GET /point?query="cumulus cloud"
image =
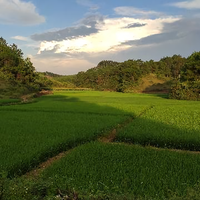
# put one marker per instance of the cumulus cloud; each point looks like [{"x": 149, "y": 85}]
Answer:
[
  {"x": 88, "y": 3},
  {"x": 67, "y": 33},
  {"x": 111, "y": 33},
  {"x": 106, "y": 38},
  {"x": 135, "y": 12},
  {"x": 19, "y": 12},
  {"x": 184, "y": 46},
  {"x": 162, "y": 45},
  {"x": 134, "y": 25},
  {"x": 61, "y": 66},
  {"x": 192, "y": 4},
  {"x": 85, "y": 27},
  {"x": 171, "y": 31},
  {"x": 18, "y": 37}
]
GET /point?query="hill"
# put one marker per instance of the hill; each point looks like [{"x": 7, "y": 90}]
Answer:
[
  {"x": 132, "y": 75},
  {"x": 12, "y": 91},
  {"x": 17, "y": 74},
  {"x": 152, "y": 84}
]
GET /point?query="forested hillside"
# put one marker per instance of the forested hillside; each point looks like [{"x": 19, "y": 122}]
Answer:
[
  {"x": 59, "y": 81},
  {"x": 126, "y": 76},
  {"x": 17, "y": 74},
  {"x": 176, "y": 75},
  {"x": 188, "y": 85}
]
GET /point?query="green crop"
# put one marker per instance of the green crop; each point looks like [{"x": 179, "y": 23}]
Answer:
[
  {"x": 31, "y": 133},
  {"x": 174, "y": 126},
  {"x": 8, "y": 101},
  {"x": 116, "y": 169}
]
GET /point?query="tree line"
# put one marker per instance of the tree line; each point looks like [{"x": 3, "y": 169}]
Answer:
[
  {"x": 18, "y": 70},
  {"x": 107, "y": 75},
  {"x": 122, "y": 76},
  {"x": 115, "y": 76}
]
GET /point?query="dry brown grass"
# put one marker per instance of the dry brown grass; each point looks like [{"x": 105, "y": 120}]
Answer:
[{"x": 152, "y": 84}]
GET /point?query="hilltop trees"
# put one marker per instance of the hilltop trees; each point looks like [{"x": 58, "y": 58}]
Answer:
[
  {"x": 111, "y": 76},
  {"x": 17, "y": 70},
  {"x": 108, "y": 75},
  {"x": 120, "y": 77},
  {"x": 191, "y": 69},
  {"x": 188, "y": 85},
  {"x": 14, "y": 66}
]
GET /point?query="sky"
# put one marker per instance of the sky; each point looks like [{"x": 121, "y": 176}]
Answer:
[{"x": 69, "y": 36}]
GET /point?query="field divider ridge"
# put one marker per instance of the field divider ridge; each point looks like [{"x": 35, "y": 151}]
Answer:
[
  {"x": 110, "y": 136},
  {"x": 66, "y": 112},
  {"x": 42, "y": 166},
  {"x": 107, "y": 137}
]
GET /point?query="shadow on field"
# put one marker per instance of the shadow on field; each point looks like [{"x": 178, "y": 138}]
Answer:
[
  {"x": 33, "y": 133},
  {"x": 42, "y": 130},
  {"x": 159, "y": 94},
  {"x": 140, "y": 130},
  {"x": 61, "y": 103},
  {"x": 147, "y": 132}
]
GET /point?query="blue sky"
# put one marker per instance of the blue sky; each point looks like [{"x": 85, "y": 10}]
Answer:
[{"x": 68, "y": 36}]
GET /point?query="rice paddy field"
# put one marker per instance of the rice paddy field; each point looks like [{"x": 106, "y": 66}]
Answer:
[
  {"x": 119, "y": 146},
  {"x": 8, "y": 101}
]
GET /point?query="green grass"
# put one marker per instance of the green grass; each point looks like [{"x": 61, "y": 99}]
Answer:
[
  {"x": 90, "y": 102},
  {"x": 28, "y": 138},
  {"x": 174, "y": 126},
  {"x": 9, "y": 101},
  {"x": 31, "y": 133},
  {"x": 98, "y": 169}
]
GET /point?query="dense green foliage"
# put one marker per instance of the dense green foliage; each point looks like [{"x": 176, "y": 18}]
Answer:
[
  {"x": 18, "y": 71},
  {"x": 188, "y": 85},
  {"x": 14, "y": 66},
  {"x": 57, "y": 81},
  {"x": 120, "y": 77},
  {"x": 126, "y": 76}
]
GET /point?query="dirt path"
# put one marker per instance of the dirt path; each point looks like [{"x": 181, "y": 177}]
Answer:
[
  {"x": 110, "y": 137},
  {"x": 36, "y": 172}
]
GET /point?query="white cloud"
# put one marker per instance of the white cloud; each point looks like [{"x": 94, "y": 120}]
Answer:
[
  {"x": 131, "y": 11},
  {"x": 18, "y": 37},
  {"x": 110, "y": 34},
  {"x": 88, "y": 3},
  {"x": 192, "y": 4},
  {"x": 19, "y": 12},
  {"x": 61, "y": 66}
]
